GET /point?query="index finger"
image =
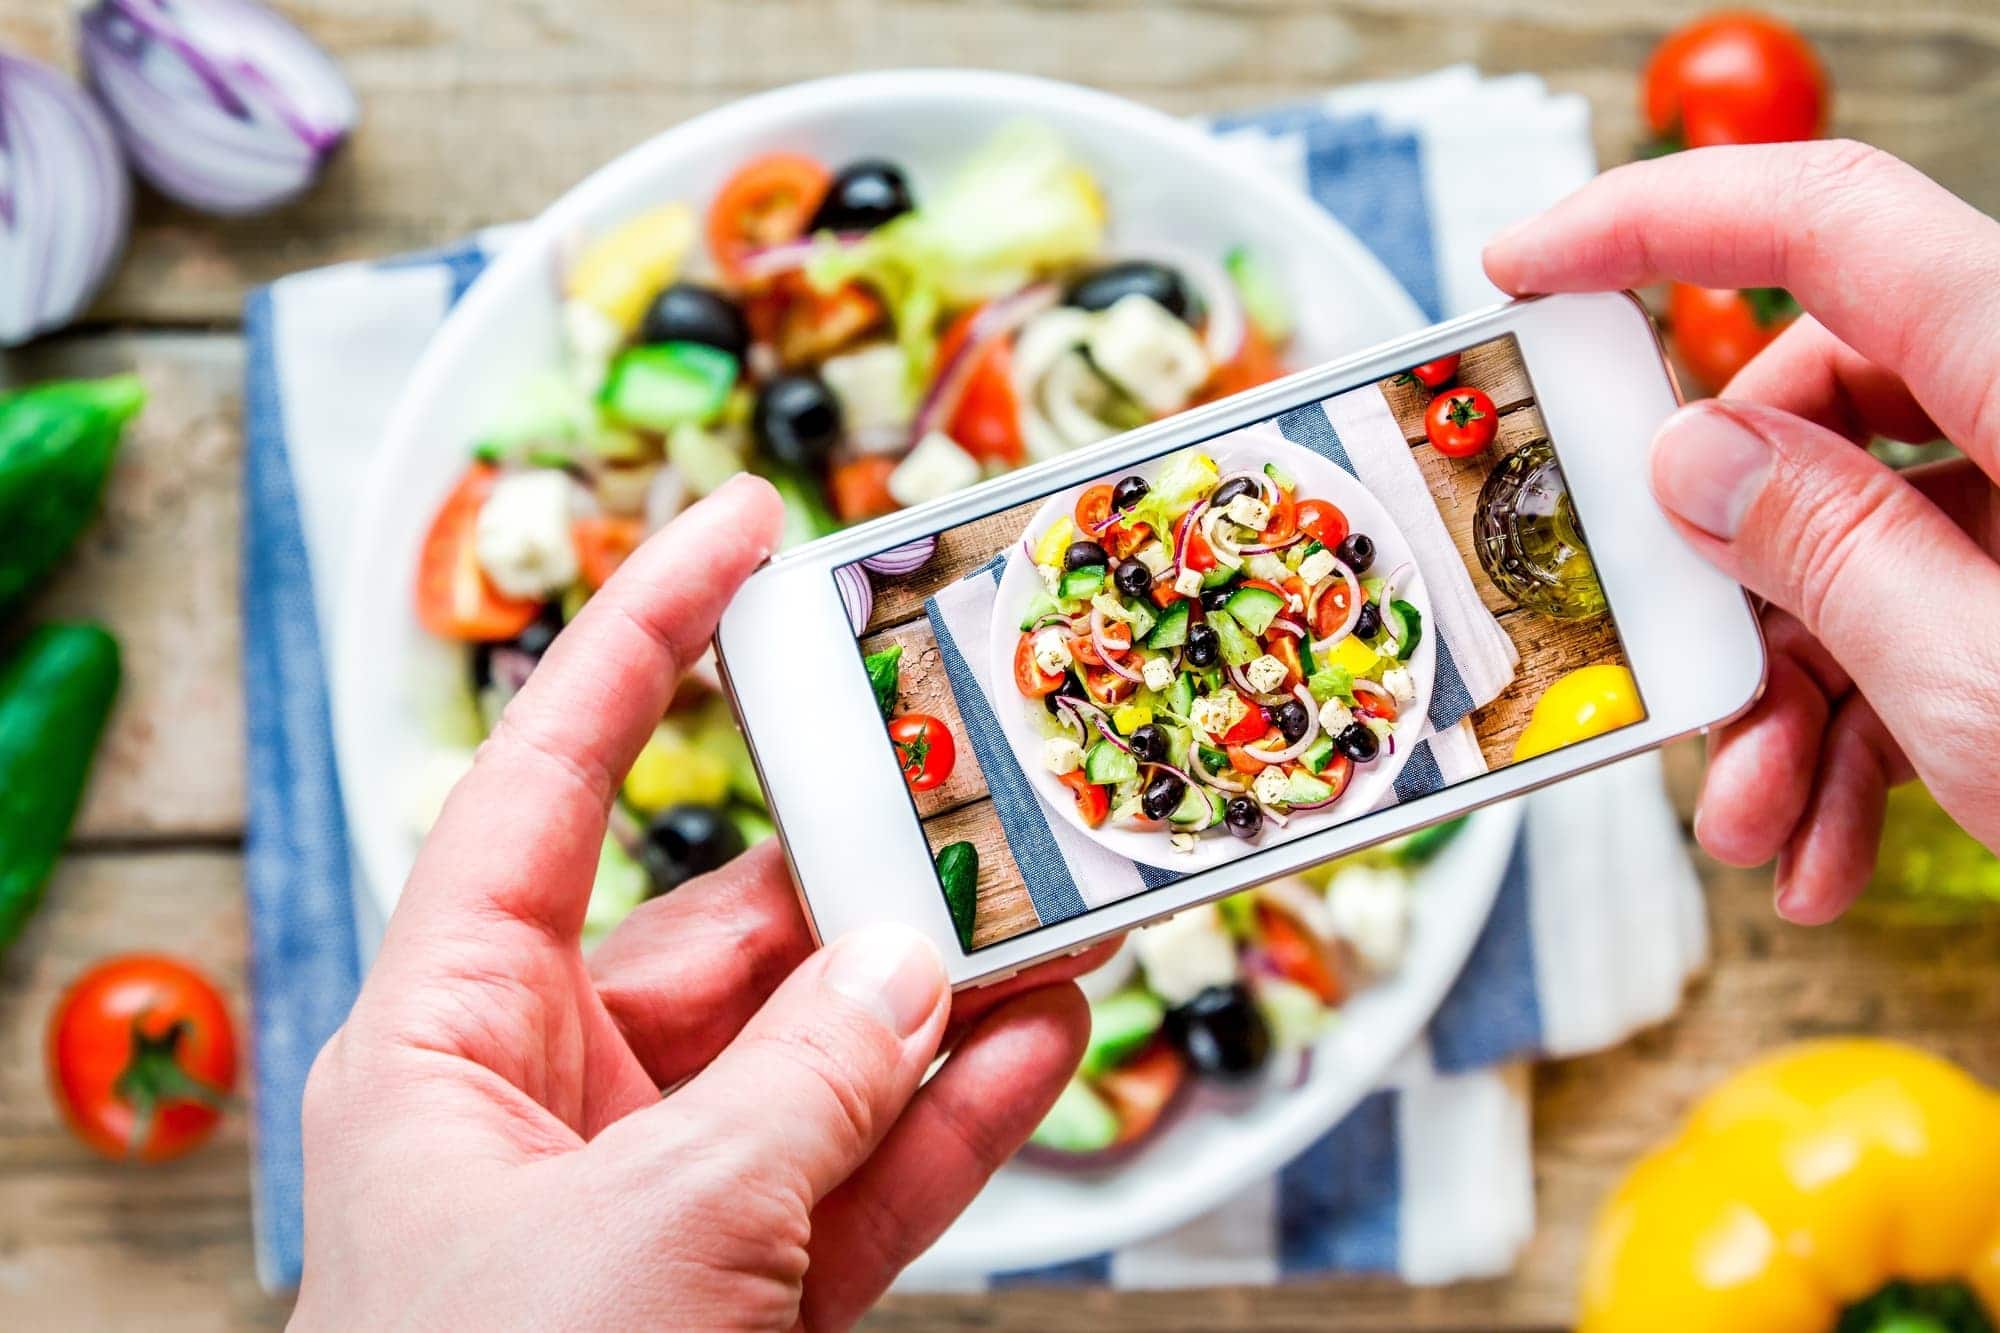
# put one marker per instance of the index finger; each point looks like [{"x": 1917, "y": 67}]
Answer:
[{"x": 1898, "y": 267}]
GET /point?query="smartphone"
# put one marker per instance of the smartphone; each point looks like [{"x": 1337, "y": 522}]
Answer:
[{"x": 1267, "y": 632}]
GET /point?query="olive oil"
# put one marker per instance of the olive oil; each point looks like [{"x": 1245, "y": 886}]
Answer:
[{"x": 1529, "y": 544}]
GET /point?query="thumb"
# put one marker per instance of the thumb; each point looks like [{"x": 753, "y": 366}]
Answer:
[{"x": 1875, "y": 571}]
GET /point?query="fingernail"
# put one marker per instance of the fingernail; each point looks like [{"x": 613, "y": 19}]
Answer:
[
  {"x": 891, "y": 971},
  {"x": 1708, "y": 467}
]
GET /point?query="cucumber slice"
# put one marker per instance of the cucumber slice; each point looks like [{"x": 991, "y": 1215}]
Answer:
[
  {"x": 1084, "y": 583},
  {"x": 1108, "y": 764},
  {"x": 1041, "y": 605},
  {"x": 1171, "y": 632},
  {"x": 1079, "y": 1122},
  {"x": 1214, "y": 760},
  {"x": 1238, "y": 648},
  {"x": 1305, "y": 789},
  {"x": 1194, "y": 810},
  {"x": 1141, "y": 618},
  {"x": 662, "y": 386},
  {"x": 1318, "y": 755},
  {"x": 1254, "y": 608},
  {"x": 1120, "y": 1026},
  {"x": 1180, "y": 694},
  {"x": 1216, "y": 577},
  {"x": 1407, "y": 624},
  {"x": 1416, "y": 848},
  {"x": 1283, "y": 482}
]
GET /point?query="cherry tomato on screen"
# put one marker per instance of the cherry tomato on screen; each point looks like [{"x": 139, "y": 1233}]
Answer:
[
  {"x": 1091, "y": 801},
  {"x": 1330, "y": 612},
  {"x": 925, "y": 750},
  {"x": 1323, "y": 522},
  {"x": 1461, "y": 423},
  {"x": 1431, "y": 374},
  {"x": 1029, "y": 678},
  {"x": 1734, "y": 78}
]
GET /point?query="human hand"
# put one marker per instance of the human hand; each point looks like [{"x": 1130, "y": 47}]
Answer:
[
  {"x": 1884, "y": 592},
  {"x": 486, "y": 1141}
]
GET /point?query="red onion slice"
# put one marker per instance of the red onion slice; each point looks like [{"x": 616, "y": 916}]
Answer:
[
  {"x": 856, "y": 594},
  {"x": 1384, "y": 597},
  {"x": 791, "y": 256},
  {"x": 1284, "y": 625},
  {"x": 997, "y": 320},
  {"x": 1354, "y": 600},
  {"x": 1299, "y": 746},
  {"x": 1268, "y": 548},
  {"x": 905, "y": 559},
  {"x": 1232, "y": 784},
  {"x": 1266, "y": 698},
  {"x": 1098, "y": 642},
  {"x": 1372, "y": 690},
  {"x": 1227, "y": 553},
  {"x": 1188, "y": 520}
]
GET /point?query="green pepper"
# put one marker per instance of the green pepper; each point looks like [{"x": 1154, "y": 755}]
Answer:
[
  {"x": 56, "y": 445},
  {"x": 958, "y": 872},
  {"x": 55, "y": 694}
]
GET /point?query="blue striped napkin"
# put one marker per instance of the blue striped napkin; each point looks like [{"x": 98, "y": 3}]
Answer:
[{"x": 1430, "y": 1176}]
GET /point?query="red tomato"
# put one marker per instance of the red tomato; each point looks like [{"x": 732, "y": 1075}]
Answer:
[
  {"x": 454, "y": 597},
  {"x": 1107, "y": 686},
  {"x": 859, "y": 488},
  {"x": 1284, "y": 520},
  {"x": 1117, "y": 637},
  {"x": 1256, "y": 362},
  {"x": 769, "y": 201},
  {"x": 1298, "y": 956},
  {"x": 1244, "y": 762},
  {"x": 987, "y": 421},
  {"x": 1285, "y": 648},
  {"x": 602, "y": 543},
  {"x": 1323, "y": 522},
  {"x": 1141, "y": 1089},
  {"x": 1093, "y": 508},
  {"x": 1371, "y": 704},
  {"x": 1461, "y": 423},
  {"x": 1028, "y": 677},
  {"x": 1330, "y": 612},
  {"x": 1732, "y": 78},
  {"x": 1126, "y": 538},
  {"x": 1164, "y": 592},
  {"x": 1718, "y": 330},
  {"x": 813, "y": 325},
  {"x": 1199, "y": 556},
  {"x": 1091, "y": 801},
  {"x": 1431, "y": 374},
  {"x": 925, "y": 750},
  {"x": 1337, "y": 774},
  {"x": 1252, "y": 725},
  {"x": 142, "y": 1057}
]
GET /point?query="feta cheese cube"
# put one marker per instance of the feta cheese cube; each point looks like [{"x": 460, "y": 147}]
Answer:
[
  {"x": 1335, "y": 716},
  {"x": 1185, "y": 955},
  {"x": 1140, "y": 346},
  {"x": 1267, "y": 567},
  {"x": 1051, "y": 651},
  {"x": 1159, "y": 673},
  {"x": 1153, "y": 555},
  {"x": 1188, "y": 583},
  {"x": 1250, "y": 511},
  {"x": 1271, "y": 786},
  {"x": 1265, "y": 674},
  {"x": 1400, "y": 684},
  {"x": 873, "y": 386},
  {"x": 522, "y": 536},
  {"x": 1217, "y": 713},
  {"x": 1061, "y": 754},
  {"x": 1316, "y": 567},
  {"x": 1051, "y": 576},
  {"x": 936, "y": 467},
  {"x": 1371, "y": 911}
]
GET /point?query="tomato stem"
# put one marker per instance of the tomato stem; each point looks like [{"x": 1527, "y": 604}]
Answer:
[
  {"x": 155, "y": 1077},
  {"x": 1917, "y": 1307}
]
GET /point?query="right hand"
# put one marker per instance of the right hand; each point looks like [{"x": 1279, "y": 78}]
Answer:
[{"x": 1883, "y": 589}]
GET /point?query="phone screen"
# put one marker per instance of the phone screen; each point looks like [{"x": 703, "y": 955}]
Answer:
[{"x": 1239, "y": 643}]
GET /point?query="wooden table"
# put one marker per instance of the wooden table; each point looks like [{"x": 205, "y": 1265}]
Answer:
[{"x": 454, "y": 91}]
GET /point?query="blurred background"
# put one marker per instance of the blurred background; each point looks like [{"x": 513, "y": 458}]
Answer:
[{"x": 476, "y": 112}]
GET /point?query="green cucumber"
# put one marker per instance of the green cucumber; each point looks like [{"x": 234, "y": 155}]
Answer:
[
  {"x": 1216, "y": 578},
  {"x": 1084, "y": 582},
  {"x": 1194, "y": 811},
  {"x": 1108, "y": 764},
  {"x": 669, "y": 384},
  {"x": 1171, "y": 631},
  {"x": 1283, "y": 482},
  {"x": 1305, "y": 789},
  {"x": 1041, "y": 605},
  {"x": 1238, "y": 648},
  {"x": 1120, "y": 1027},
  {"x": 1079, "y": 1122},
  {"x": 1254, "y": 608},
  {"x": 1141, "y": 618},
  {"x": 1414, "y": 849},
  {"x": 1318, "y": 755},
  {"x": 1180, "y": 695},
  {"x": 958, "y": 874},
  {"x": 1214, "y": 760},
  {"x": 1407, "y": 624},
  {"x": 56, "y": 446}
]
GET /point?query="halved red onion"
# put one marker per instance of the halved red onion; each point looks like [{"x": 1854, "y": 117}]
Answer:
[
  {"x": 997, "y": 320},
  {"x": 1354, "y": 600},
  {"x": 1098, "y": 642},
  {"x": 905, "y": 559},
  {"x": 856, "y": 594},
  {"x": 1299, "y": 746}
]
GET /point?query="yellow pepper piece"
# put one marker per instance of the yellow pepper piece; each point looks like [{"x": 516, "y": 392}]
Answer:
[
  {"x": 1586, "y": 702},
  {"x": 672, "y": 770},
  {"x": 1049, "y": 550},
  {"x": 622, "y": 270},
  {"x": 1803, "y": 1184},
  {"x": 1356, "y": 657},
  {"x": 1130, "y": 717}
]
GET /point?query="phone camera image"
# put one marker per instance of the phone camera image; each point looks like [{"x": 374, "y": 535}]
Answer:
[{"x": 1237, "y": 644}]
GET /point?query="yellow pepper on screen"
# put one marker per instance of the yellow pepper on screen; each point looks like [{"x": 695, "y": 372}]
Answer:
[
  {"x": 1586, "y": 702},
  {"x": 1842, "y": 1177}
]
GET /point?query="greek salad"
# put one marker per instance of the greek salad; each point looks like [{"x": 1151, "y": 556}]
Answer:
[
  {"x": 1211, "y": 651},
  {"x": 1233, "y": 991},
  {"x": 865, "y": 347}
]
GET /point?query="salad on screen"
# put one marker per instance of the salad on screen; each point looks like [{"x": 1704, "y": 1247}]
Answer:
[
  {"x": 1211, "y": 651},
  {"x": 863, "y": 343}
]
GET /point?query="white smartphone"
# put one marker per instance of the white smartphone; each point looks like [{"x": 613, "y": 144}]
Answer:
[{"x": 1135, "y": 677}]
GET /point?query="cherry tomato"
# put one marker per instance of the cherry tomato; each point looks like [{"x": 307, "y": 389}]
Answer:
[
  {"x": 1734, "y": 78},
  {"x": 1284, "y": 519},
  {"x": 1323, "y": 522},
  {"x": 142, "y": 1057},
  {"x": 767, "y": 202},
  {"x": 1371, "y": 704},
  {"x": 1107, "y": 686},
  {"x": 602, "y": 543},
  {"x": 925, "y": 750},
  {"x": 454, "y": 597},
  {"x": 987, "y": 421},
  {"x": 1244, "y": 762},
  {"x": 1330, "y": 613},
  {"x": 1431, "y": 374},
  {"x": 1141, "y": 1089},
  {"x": 1028, "y": 677},
  {"x": 1117, "y": 637},
  {"x": 1165, "y": 594},
  {"x": 1199, "y": 556},
  {"x": 1285, "y": 648},
  {"x": 1718, "y": 330},
  {"x": 1091, "y": 801},
  {"x": 1337, "y": 774},
  {"x": 808, "y": 325},
  {"x": 1256, "y": 362},
  {"x": 1093, "y": 508},
  {"x": 1461, "y": 423},
  {"x": 1249, "y": 727},
  {"x": 859, "y": 488},
  {"x": 1126, "y": 538},
  {"x": 1298, "y": 956}
]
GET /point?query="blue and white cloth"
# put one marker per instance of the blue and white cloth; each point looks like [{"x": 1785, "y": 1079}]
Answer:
[{"x": 1597, "y": 926}]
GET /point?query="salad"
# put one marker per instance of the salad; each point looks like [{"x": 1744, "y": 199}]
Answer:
[
  {"x": 865, "y": 347},
  {"x": 1211, "y": 652},
  {"x": 1228, "y": 992}
]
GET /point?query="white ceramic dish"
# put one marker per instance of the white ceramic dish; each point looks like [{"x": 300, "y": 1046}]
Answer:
[{"x": 1245, "y": 450}]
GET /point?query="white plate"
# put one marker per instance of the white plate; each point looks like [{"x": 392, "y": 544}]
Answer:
[{"x": 1244, "y": 450}]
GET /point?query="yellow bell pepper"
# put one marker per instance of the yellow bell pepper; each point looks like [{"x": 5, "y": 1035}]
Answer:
[
  {"x": 1130, "y": 717},
  {"x": 1822, "y": 1176},
  {"x": 1586, "y": 702},
  {"x": 673, "y": 770},
  {"x": 1049, "y": 550},
  {"x": 1352, "y": 655},
  {"x": 621, "y": 271}
]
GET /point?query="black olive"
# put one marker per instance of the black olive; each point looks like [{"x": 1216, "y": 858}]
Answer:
[
  {"x": 1292, "y": 719},
  {"x": 1369, "y": 623},
  {"x": 1133, "y": 579},
  {"x": 1357, "y": 742},
  {"x": 1214, "y": 599},
  {"x": 1071, "y": 688},
  {"x": 683, "y": 841},
  {"x": 1220, "y": 1032},
  {"x": 1104, "y": 288},
  {"x": 1242, "y": 817},
  {"x": 1204, "y": 648},
  {"x": 1149, "y": 743},
  {"x": 506, "y": 665},
  {"x": 1357, "y": 552},
  {"x": 1129, "y": 491},
  {"x": 1082, "y": 554},
  {"x": 688, "y": 312},
  {"x": 1230, "y": 489},
  {"x": 797, "y": 419},
  {"x": 863, "y": 196},
  {"x": 1162, "y": 797}
]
